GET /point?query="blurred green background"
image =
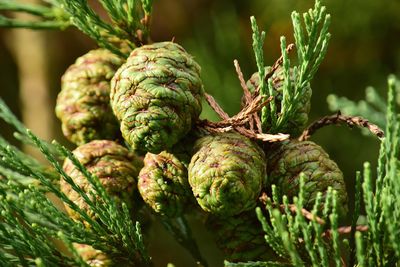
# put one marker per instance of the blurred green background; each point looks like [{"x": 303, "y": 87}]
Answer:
[{"x": 364, "y": 49}]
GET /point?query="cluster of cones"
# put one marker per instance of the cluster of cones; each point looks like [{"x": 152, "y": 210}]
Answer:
[{"x": 136, "y": 124}]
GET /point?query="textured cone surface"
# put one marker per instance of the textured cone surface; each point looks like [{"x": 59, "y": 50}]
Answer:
[
  {"x": 226, "y": 173},
  {"x": 93, "y": 257},
  {"x": 113, "y": 164},
  {"x": 297, "y": 123},
  {"x": 240, "y": 237},
  {"x": 163, "y": 184},
  {"x": 83, "y": 105},
  {"x": 156, "y": 95},
  {"x": 286, "y": 161}
]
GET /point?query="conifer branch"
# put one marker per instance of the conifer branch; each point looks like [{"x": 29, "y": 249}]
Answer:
[
  {"x": 290, "y": 234},
  {"x": 129, "y": 28},
  {"x": 52, "y": 16},
  {"x": 307, "y": 214},
  {"x": 124, "y": 239},
  {"x": 356, "y": 214},
  {"x": 258, "y": 42},
  {"x": 305, "y": 238},
  {"x": 337, "y": 119},
  {"x": 311, "y": 41}
]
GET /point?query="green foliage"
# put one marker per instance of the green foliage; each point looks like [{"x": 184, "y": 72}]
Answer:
[
  {"x": 53, "y": 16},
  {"x": 317, "y": 242},
  {"x": 30, "y": 221},
  {"x": 381, "y": 243},
  {"x": 114, "y": 233},
  {"x": 294, "y": 237},
  {"x": 379, "y": 247},
  {"x": 9, "y": 168},
  {"x": 311, "y": 40},
  {"x": 125, "y": 15},
  {"x": 24, "y": 240},
  {"x": 129, "y": 27}
]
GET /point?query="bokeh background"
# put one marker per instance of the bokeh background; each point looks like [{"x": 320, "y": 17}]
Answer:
[{"x": 364, "y": 49}]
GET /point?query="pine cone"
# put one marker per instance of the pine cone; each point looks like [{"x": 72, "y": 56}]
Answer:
[
  {"x": 163, "y": 184},
  {"x": 83, "y": 105},
  {"x": 287, "y": 160},
  {"x": 93, "y": 257},
  {"x": 156, "y": 95},
  {"x": 226, "y": 173},
  {"x": 113, "y": 164},
  {"x": 241, "y": 237},
  {"x": 297, "y": 123}
]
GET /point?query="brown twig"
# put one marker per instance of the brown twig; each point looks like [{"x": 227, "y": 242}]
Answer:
[
  {"x": 265, "y": 199},
  {"x": 263, "y": 137},
  {"x": 344, "y": 264},
  {"x": 238, "y": 121},
  {"x": 308, "y": 215},
  {"x": 254, "y": 119},
  {"x": 216, "y": 107},
  {"x": 345, "y": 230},
  {"x": 246, "y": 91},
  {"x": 248, "y": 117},
  {"x": 341, "y": 119}
]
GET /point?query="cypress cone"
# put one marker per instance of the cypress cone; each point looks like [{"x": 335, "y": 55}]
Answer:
[
  {"x": 163, "y": 184},
  {"x": 296, "y": 123},
  {"x": 226, "y": 173},
  {"x": 83, "y": 105},
  {"x": 287, "y": 160},
  {"x": 240, "y": 237},
  {"x": 156, "y": 96},
  {"x": 116, "y": 168}
]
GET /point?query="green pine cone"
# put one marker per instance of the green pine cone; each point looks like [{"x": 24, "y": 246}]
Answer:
[
  {"x": 156, "y": 95},
  {"x": 241, "y": 237},
  {"x": 297, "y": 123},
  {"x": 226, "y": 173},
  {"x": 83, "y": 105},
  {"x": 163, "y": 184},
  {"x": 287, "y": 160},
  {"x": 93, "y": 257},
  {"x": 112, "y": 163}
]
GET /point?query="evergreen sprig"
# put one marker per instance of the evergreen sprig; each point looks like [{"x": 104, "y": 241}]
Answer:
[
  {"x": 311, "y": 39},
  {"x": 114, "y": 233},
  {"x": 258, "y": 42},
  {"x": 381, "y": 195},
  {"x": 306, "y": 243},
  {"x": 52, "y": 15},
  {"x": 294, "y": 237},
  {"x": 129, "y": 27},
  {"x": 317, "y": 243},
  {"x": 8, "y": 168},
  {"x": 22, "y": 242},
  {"x": 29, "y": 220}
]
